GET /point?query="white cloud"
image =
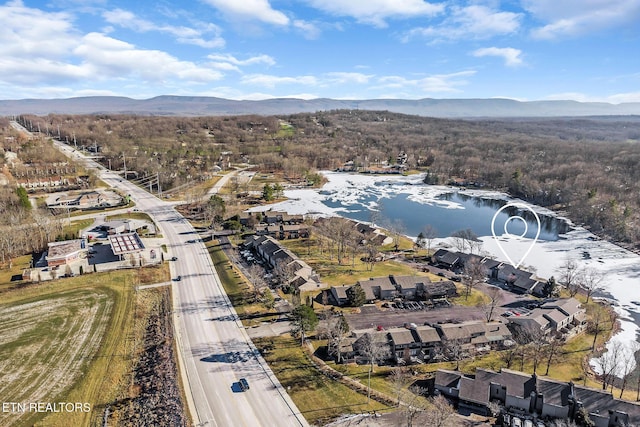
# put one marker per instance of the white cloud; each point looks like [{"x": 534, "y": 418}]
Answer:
[
  {"x": 259, "y": 59},
  {"x": 228, "y": 62},
  {"x": 33, "y": 33},
  {"x": 581, "y": 97},
  {"x": 624, "y": 97},
  {"x": 577, "y": 17},
  {"x": 272, "y": 81},
  {"x": 324, "y": 80},
  {"x": 117, "y": 59},
  {"x": 510, "y": 55},
  {"x": 259, "y": 10},
  {"x": 349, "y": 78},
  {"x": 475, "y": 21},
  {"x": 308, "y": 29},
  {"x": 257, "y": 96},
  {"x": 376, "y": 12},
  {"x": 437, "y": 83},
  {"x": 186, "y": 35}
]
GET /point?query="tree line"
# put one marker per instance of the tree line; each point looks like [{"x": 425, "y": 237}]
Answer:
[{"x": 586, "y": 167}]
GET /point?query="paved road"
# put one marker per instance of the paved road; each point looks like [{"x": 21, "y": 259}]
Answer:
[{"x": 214, "y": 348}]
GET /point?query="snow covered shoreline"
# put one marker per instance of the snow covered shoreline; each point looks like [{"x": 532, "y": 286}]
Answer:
[{"x": 620, "y": 267}]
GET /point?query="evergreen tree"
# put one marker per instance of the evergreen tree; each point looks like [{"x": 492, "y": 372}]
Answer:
[
  {"x": 356, "y": 296},
  {"x": 303, "y": 319},
  {"x": 267, "y": 192},
  {"x": 24, "y": 198}
]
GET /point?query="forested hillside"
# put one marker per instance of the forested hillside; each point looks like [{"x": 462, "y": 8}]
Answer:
[{"x": 586, "y": 167}]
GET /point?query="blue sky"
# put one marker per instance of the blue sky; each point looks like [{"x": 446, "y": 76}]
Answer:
[{"x": 585, "y": 50}]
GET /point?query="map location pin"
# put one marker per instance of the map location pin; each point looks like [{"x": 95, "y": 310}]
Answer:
[{"x": 520, "y": 206}]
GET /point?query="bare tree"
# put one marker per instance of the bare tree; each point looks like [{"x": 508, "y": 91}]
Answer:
[
  {"x": 452, "y": 351},
  {"x": 569, "y": 273},
  {"x": 371, "y": 253},
  {"x": 374, "y": 347},
  {"x": 465, "y": 240},
  {"x": 609, "y": 363},
  {"x": 508, "y": 356},
  {"x": 255, "y": 275},
  {"x": 553, "y": 346},
  {"x": 440, "y": 413},
  {"x": 400, "y": 377},
  {"x": 429, "y": 233},
  {"x": 488, "y": 308},
  {"x": 595, "y": 327},
  {"x": 341, "y": 231},
  {"x": 591, "y": 280},
  {"x": 284, "y": 272},
  {"x": 415, "y": 408},
  {"x": 397, "y": 229},
  {"x": 335, "y": 329},
  {"x": 475, "y": 273},
  {"x": 530, "y": 340},
  {"x": 627, "y": 365}
]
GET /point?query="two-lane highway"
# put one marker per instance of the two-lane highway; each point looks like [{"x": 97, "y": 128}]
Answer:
[{"x": 214, "y": 348}]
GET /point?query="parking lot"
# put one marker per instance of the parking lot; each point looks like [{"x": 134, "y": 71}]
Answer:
[{"x": 371, "y": 316}]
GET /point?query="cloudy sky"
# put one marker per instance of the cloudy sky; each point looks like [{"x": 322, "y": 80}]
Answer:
[{"x": 586, "y": 50}]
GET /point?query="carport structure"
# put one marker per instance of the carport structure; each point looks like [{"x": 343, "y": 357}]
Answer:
[{"x": 124, "y": 244}]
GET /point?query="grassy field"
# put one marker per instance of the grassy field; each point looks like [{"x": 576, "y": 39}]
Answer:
[
  {"x": 6, "y": 273},
  {"x": 190, "y": 191},
  {"x": 475, "y": 297},
  {"x": 70, "y": 340},
  {"x": 319, "y": 398},
  {"x": 348, "y": 272},
  {"x": 71, "y": 231}
]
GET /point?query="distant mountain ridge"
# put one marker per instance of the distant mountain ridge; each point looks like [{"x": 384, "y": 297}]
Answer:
[{"x": 210, "y": 106}]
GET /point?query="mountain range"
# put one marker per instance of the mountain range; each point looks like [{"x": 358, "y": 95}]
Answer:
[{"x": 167, "y": 105}]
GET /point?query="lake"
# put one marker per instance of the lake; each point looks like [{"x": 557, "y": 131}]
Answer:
[{"x": 446, "y": 213}]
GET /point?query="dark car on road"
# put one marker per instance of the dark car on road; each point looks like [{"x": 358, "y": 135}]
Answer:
[{"x": 244, "y": 384}]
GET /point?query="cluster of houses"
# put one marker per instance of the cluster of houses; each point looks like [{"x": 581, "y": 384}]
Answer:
[
  {"x": 40, "y": 183},
  {"x": 390, "y": 287},
  {"x": 273, "y": 256},
  {"x": 279, "y": 225},
  {"x": 565, "y": 317},
  {"x": 518, "y": 280},
  {"x": 424, "y": 343},
  {"x": 533, "y": 398},
  {"x": 433, "y": 342}
]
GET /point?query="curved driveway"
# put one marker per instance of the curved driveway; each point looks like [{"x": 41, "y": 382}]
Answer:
[{"x": 214, "y": 348}]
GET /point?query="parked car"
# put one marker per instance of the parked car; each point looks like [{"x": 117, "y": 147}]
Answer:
[
  {"x": 174, "y": 258},
  {"x": 178, "y": 278},
  {"x": 244, "y": 384}
]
